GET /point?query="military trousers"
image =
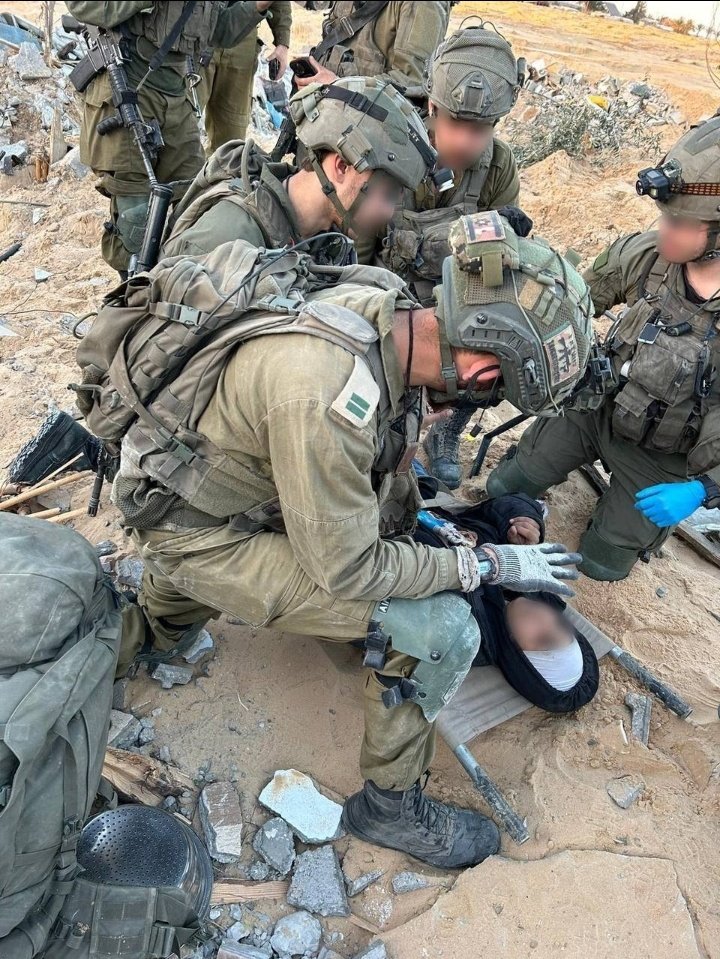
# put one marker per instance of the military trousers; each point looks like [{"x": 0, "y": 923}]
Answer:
[
  {"x": 115, "y": 159},
  {"x": 196, "y": 575},
  {"x": 552, "y": 447},
  {"x": 226, "y": 91}
]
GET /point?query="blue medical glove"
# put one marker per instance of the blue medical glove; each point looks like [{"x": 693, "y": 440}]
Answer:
[{"x": 670, "y": 503}]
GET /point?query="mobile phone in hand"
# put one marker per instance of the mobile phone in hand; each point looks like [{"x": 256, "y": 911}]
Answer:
[
  {"x": 274, "y": 68},
  {"x": 302, "y": 67}
]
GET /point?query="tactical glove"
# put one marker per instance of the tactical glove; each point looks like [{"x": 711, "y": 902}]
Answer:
[{"x": 530, "y": 569}]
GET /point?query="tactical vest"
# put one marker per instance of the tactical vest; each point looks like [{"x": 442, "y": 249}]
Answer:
[
  {"x": 348, "y": 34},
  {"x": 417, "y": 242},
  {"x": 241, "y": 174},
  {"x": 665, "y": 352},
  {"x": 196, "y": 34},
  {"x": 193, "y": 483}
]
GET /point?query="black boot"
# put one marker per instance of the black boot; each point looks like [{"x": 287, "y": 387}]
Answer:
[
  {"x": 59, "y": 439},
  {"x": 441, "y": 835},
  {"x": 442, "y": 445}
]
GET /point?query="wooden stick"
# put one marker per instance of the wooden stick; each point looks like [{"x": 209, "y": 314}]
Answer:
[
  {"x": 45, "y": 513},
  {"x": 364, "y": 924},
  {"x": 143, "y": 779},
  {"x": 241, "y": 891},
  {"x": 25, "y": 203},
  {"x": 72, "y": 514},
  {"x": 46, "y": 488},
  {"x": 60, "y": 469}
]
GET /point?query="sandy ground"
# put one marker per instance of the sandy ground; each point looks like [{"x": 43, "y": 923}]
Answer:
[{"x": 269, "y": 701}]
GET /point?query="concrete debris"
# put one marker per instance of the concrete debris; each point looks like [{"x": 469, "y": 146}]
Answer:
[
  {"x": 41, "y": 276},
  {"x": 238, "y": 931},
  {"x": 72, "y": 165},
  {"x": 170, "y": 803},
  {"x": 221, "y": 818},
  {"x": 318, "y": 885},
  {"x": 236, "y": 950},
  {"x": 375, "y": 950},
  {"x": 326, "y": 953},
  {"x": 625, "y": 791},
  {"x": 164, "y": 755},
  {"x": 130, "y": 571},
  {"x": 661, "y": 592},
  {"x": 28, "y": 63},
  {"x": 356, "y": 886},
  {"x": 295, "y": 797},
  {"x": 640, "y": 707},
  {"x": 275, "y": 843},
  {"x": 124, "y": 730},
  {"x": 169, "y": 676},
  {"x": 216, "y": 913},
  {"x": 409, "y": 882},
  {"x": 259, "y": 871},
  {"x": 203, "y": 644},
  {"x": 298, "y": 934},
  {"x": 106, "y": 548},
  {"x": 120, "y": 691},
  {"x": 147, "y": 732},
  {"x": 15, "y": 153}
]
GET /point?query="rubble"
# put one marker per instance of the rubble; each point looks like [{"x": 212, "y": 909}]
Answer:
[
  {"x": 124, "y": 730},
  {"x": 169, "y": 676},
  {"x": 317, "y": 884},
  {"x": 563, "y": 111},
  {"x": 375, "y": 950},
  {"x": 28, "y": 63},
  {"x": 203, "y": 644},
  {"x": 295, "y": 798},
  {"x": 230, "y": 949},
  {"x": 355, "y": 886},
  {"x": 625, "y": 791},
  {"x": 105, "y": 548},
  {"x": 71, "y": 163},
  {"x": 409, "y": 882},
  {"x": 147, "y": 732},
  {"x": 119, "y": 698},
  {"x": 298, "y": 934},
  {"x": 164, "y": 755},
  {"x": 259, "y": 871},
  {"x": 274, "y": 842},
  {"x": 130, "y": 571},
  {"x": 238, "y": 930},
  {"x": 326, "y": 953},
  {"x": 221, "y": 819},
  {"x": 16, "y": 153},
  {"x": 41, "y": 276}
]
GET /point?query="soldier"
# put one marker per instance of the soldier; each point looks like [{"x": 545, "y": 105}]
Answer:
[
  {"x": 363, "y": 143},
  {"x": 471, "y": 82},
  {"x": 371, "y": 37},
  {"x": 157, "y": 40},
  {"x": 227, "y": 81},
  {"x": 658, "y": 430},
  {"x": 292, "y": 506}
]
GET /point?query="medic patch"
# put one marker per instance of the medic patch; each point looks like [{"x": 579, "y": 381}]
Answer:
[
  {"x": 359, "y": 399},
  {"x": 562, "y": 352}
]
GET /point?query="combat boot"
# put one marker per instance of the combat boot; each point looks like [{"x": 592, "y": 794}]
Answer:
[
  {"x": 442, "y": 445},
  {"x": 436, "y": 833},
  {"x": 58, "y": 440}
]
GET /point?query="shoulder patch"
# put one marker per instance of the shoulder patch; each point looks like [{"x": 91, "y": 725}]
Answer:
[
  {"x": 600, "y": 261},
  {"x": 360, "y": 396}
]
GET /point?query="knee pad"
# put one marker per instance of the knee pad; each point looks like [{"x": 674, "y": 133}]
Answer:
[
  {"x": 443, "y": 635},
  {"x": 605, "y": 561},
  {"x": 131, "y": 219},
  {"x": 508, "y": 477}
]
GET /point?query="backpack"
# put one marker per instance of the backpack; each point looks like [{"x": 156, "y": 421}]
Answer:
[{"x": 59, "y": 646}]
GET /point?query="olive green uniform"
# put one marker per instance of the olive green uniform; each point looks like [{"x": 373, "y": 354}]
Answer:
[
  {"x": 312, "y": 442},
  {"x": 163, "y": 97},
  {"x": 397, "y": 42},
  {"x": 416, "y": 243},
  {"x": 652, "y": 430},
  {"x": 227, "y": 81}
]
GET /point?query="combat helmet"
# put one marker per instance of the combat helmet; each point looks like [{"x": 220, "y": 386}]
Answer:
[
  {"x": 686, "y": 182},
  {"x": 474, "y": 74},
  {"x": 370, "y": 124},
  {"x": 520, "y": 300}
]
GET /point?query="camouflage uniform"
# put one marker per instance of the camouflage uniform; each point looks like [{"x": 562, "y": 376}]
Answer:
[
  {"x": 227, "y": 81},
  {"x": 397, "y": 41},
  {"x": 163, "y": 96}
]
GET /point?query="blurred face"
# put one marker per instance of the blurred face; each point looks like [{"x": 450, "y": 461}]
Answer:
[
  {"x": 459, "y": 143},
  {"x": 380, "y": 194},
  {"x": 535, "y": 626},
  {"x": 680, "y": 238}
]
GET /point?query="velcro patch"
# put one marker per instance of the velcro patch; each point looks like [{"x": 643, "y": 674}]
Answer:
[
  {"x": 562, "y": 352},
  {"x": 601, "y": 260},
  {"x": 359, "y": 399}
]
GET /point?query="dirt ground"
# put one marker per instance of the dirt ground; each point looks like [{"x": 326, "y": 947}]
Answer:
[{"x": 270, "y": 701}]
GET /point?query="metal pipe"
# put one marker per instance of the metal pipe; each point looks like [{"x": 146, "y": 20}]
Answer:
[{"x": 511, "y": 822}]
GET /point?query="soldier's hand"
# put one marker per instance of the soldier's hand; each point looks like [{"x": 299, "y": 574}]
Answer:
[
  {"x": 282, "y": 55},
  {"x": 323, "y": 75},
  {"x": 523, "y": 531},
  {"x": 529, "y": 569}
]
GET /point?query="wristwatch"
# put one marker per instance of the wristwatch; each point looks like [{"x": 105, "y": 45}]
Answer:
[{"x": 712, "y": 493}]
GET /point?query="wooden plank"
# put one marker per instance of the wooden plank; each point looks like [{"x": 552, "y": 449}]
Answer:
[
  {"x": 699, "y": 542},
  {"x": 364, "y": 924},
  {"x": 238, "y": 890},
  {"x": 143, "y": 779}
]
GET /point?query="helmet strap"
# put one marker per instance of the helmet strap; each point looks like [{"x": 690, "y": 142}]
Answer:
[
  {"x": 447, "y": 363},
  {"x": 347, "y": 216},
  {"x": 711, "y": 247}
]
